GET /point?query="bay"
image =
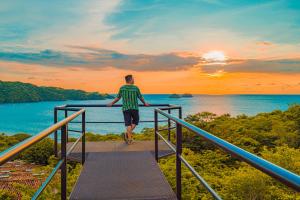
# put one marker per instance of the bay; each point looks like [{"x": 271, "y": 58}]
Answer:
[{"x": 31, "y": 118}]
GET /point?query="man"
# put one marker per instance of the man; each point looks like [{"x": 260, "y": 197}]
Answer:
[{"x": 130, "y": 95}]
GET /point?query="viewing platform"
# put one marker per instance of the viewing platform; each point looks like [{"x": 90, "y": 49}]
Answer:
[{"x": 115, "y": 170}]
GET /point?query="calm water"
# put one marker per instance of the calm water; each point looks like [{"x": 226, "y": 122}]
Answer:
[{"x": 34, "y": 117}]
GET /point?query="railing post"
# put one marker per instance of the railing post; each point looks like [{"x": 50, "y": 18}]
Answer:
[
  {"x": 169, "y": 126},
  {"x": 64, "y": 165},
  {"x": 83, "y": 138},
  {"x": 66, "y": 115},
  {"x": 180, "y": 112},
  {"x": 55, "y": 133},
  {"x": 178, "y": 160},
  {"x": 155, "y": 134}
]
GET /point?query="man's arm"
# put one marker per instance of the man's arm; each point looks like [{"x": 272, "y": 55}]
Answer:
[
  {"x": 144, "y": 102},
  {"x": 140, "y": 96},
  {"x": 116, "y": 99},
  {"x": 113, "y": 102}
]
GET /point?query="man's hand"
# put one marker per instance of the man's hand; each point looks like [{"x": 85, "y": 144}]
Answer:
[
  {"x": 146, "y": 104},
  {"x": 113, "y": 102},
  {"x": 110, "y": 104}
]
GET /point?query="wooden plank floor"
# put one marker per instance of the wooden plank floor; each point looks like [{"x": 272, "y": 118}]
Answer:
[{"x": 115, "y": 170}]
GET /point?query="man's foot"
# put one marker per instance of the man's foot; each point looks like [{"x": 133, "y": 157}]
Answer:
[{"x": 130, "y": 141}]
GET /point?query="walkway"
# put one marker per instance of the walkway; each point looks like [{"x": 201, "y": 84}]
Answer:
[{"x": 114, "y": 170}]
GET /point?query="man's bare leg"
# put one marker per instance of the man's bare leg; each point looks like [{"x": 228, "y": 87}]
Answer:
[
  {"x": 132, "y": 127},
  {"x": 129, "y": 131}
]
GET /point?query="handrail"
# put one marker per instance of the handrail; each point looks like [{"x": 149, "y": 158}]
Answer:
[
  {"x": 76, "y": 107},
  {"x": 62, "y": 163},
  {"x": 16, "y": 149},
  {"x": 288, "y": 178},
  {"x": 115, "y": 105},
  {"x": 116, "y": 122}
]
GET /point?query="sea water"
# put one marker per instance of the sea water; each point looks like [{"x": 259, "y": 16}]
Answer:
[{"x": 32, "y": 118}]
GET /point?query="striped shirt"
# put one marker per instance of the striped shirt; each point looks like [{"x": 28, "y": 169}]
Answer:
[{"x": 130, "y": 95}]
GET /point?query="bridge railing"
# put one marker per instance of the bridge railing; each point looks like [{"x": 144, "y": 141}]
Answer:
[
  {"x": 62, "y": 125},
  {"x": 286, "y": 177},
  {"x": 73, "y": 107},
  {"x": 77, "y": 110}
]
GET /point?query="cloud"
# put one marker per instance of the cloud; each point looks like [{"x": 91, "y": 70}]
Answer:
[
  {"x": 97, "y": 59},
  {"x": 264, "y": 43},
  {"x": 94, "y": 58},
  {"x": 139, "y": 19},
  {"x": 252, "y": 65}
]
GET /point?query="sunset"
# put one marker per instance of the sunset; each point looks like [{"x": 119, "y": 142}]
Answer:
[
  {"x": 193, "y": 41},
  {"x": 150, "y": 99}
]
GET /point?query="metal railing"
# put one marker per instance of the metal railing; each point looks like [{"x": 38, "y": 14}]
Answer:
[
  {"x": 73, "y": 107},
  {"x": 11, "y": 152},
  {"x": 286, "y": 177},
  {"x": 62, "y": 125}
]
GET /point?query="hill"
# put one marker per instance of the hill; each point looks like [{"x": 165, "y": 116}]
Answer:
[{"x": 18, "y": 92}]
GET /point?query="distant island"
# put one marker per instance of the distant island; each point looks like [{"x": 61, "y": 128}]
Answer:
[
  {"x": 174, "y": 96},
  {"x": 18, "y": 92},
  {"x": 186, "y": 95}
]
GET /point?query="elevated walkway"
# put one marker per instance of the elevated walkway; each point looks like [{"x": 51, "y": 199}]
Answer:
[{"x": 115, "y": 170}]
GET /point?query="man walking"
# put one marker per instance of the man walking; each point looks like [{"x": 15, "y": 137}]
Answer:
[{"x": 130, "y": 95}]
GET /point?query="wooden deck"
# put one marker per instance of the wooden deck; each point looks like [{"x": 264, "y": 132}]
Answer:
[{"x": 115, "y": 170}]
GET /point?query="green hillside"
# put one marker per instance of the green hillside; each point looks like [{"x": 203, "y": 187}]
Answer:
[{"x": 17, "y": 92}]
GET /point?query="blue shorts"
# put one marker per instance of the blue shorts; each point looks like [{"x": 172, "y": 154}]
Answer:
[{"x": 131, "y": 117}]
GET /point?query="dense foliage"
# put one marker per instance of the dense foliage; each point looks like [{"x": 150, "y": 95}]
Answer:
[
  {"x": 16, "y": 92},
  {"x": 8, "y": 141},
  {"x": 274, "y": 136}
]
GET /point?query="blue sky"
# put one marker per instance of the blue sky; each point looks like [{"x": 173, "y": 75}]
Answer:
[{"x": 132, "y": 24}]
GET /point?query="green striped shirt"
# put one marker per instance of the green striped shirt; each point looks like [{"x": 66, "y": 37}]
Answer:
[{"x": 130, "y": 95}]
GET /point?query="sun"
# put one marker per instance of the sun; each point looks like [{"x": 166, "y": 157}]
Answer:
[{"x": 214, "y": 56}]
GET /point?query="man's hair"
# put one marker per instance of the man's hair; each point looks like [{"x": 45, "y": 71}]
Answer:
[{"x": 128, "y": 78}]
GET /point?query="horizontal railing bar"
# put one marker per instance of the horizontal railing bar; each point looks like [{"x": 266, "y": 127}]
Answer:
[
  {"x": 61, "y": 106},
  {"x": 116, "y": 105},
  {"x": 112, "y": 122},
  {"x": 67, "y": 108},
  {"x": 47, "y": 181},
  {"x": 14, "y": 150},
  {"x": 203, "y": 182},
  {"x": 166, "y": 155},
  {"x": 171, "y": 108},
  {"x": 73, "y": 146},
  {"x": 167, "y": 142},
  {"x": 76, "y": 131},
  {"x": 281, "y": 174},
  {"x": 165, "y": 129}
]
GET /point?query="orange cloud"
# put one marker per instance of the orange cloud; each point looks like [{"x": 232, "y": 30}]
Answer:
[{"x": 193, "y": 80}]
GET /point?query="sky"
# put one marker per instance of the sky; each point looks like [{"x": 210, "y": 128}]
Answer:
[{"x": 174, "y": 46}]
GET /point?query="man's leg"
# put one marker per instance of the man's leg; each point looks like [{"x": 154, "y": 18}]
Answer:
[
  {"x": 133, "y": 126},
  {"x": 135, "y": 121},
  {"x": 129, "y": 131},
  {"x": 127, "y": 120}
]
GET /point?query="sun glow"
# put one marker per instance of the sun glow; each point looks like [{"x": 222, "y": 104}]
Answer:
[{"x": 214, "y": 56}]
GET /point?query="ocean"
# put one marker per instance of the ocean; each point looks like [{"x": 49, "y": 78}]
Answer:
[{"x": 31, "y": 118}]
